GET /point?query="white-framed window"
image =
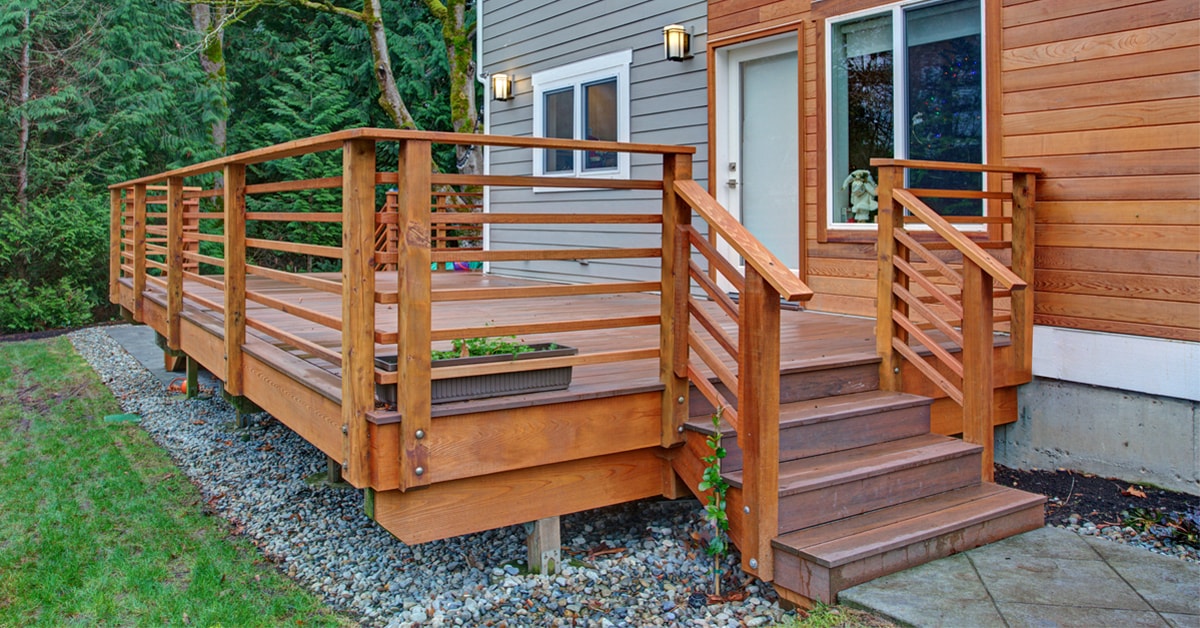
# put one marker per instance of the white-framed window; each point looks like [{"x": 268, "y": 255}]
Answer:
[
  {"x": 904, "y": 81},
  {"x": 588, "y": 100}
]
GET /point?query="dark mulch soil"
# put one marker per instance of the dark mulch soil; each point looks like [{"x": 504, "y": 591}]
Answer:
[{"x": 1096, "y": 499}]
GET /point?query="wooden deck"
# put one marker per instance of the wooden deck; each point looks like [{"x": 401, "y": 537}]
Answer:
[{"x": 819, "y": 408}]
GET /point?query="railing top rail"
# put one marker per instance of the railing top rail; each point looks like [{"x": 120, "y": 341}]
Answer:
[
  {"x": 786, "y": 283},
  {"x": 965, "y": 245},
  {"x": 331, "y": 141},
  {"x": 954, "y": 166}
]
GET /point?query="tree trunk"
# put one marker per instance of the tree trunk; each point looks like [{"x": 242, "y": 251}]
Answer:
[
  {"x": 24, "y": 123},
  {"x": 460, "y": 53},
  {"x": 212, "y": 61},
  {"x": 389, "y": 95}
]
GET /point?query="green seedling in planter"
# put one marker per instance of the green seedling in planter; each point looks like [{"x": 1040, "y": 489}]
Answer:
[
  {"x": 471, "y": 347},
  {"x": 714, "y": 508}
]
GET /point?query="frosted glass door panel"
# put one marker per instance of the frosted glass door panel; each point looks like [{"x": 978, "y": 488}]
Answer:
[{"x": 770, "y": 145}]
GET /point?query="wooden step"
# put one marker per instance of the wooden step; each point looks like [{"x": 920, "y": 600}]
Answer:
[
  {"x": 821, "y": 426},
  {"x": 842, "y": 484},
  {"x": 813, "y": 378},
  {"x": 820, "y": 561}
]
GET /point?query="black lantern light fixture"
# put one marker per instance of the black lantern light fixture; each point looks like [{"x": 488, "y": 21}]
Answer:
[
  {"x": 502, "y": 87},
  {"x": 677, "y": 43}
]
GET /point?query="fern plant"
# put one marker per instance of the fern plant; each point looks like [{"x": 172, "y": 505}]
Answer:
[{"x": 714, "y": 507}]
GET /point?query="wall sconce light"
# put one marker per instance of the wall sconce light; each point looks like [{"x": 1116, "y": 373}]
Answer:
[
  {"x": 502, "y": 87},
  {"x": 677, "y": 43}
]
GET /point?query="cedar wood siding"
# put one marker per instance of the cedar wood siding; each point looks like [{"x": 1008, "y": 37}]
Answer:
[
  {"x": 1104, "y": 96},
  {"x": 667, "y": 106}
]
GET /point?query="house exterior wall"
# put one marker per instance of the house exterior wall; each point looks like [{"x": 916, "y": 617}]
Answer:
[
  {"x": 666, "y": 103},
  {"x": 1106, "y": 100}
]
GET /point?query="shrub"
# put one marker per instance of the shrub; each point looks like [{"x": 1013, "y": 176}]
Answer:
[
  {"x": 50, "y": 306},
  {"x": 53, "y": 262}
]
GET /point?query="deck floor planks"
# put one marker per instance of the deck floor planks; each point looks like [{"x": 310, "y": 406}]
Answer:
[{"x": 806, "y": 337}]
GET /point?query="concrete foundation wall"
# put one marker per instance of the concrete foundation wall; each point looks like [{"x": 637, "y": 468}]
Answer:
[{"x": 1136, "y": 437}]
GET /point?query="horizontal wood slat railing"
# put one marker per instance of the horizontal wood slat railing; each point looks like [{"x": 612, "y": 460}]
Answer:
[
  {"x": 962, "y": 305},
  {"x": 426, "y": 219},
  {"x": 748, "y": 395},
  {"x": 391, "y": 242}
]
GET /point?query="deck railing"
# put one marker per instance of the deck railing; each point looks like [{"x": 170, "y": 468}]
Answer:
[
  {"x": 937, "y": 286},
  {"x": 333, "y": 354},
  {"x": 748, "y": 393}
]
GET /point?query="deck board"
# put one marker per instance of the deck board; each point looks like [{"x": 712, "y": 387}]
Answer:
[{"x": 808, "y": 339}]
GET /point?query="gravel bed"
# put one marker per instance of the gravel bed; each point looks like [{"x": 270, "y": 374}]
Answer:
[
  {"x": 630, "y": 565},
  {"x": 1155, "y": 540}
]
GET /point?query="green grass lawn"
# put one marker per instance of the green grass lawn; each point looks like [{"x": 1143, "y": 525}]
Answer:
[{"x": 97, "y": 526}]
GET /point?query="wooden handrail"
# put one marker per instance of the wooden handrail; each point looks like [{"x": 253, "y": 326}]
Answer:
[
  {"x": 958, "y": 239},
  {"x": 971, "y": 309},
  {"x": 332, "y": 141},
  {"x": 775, "y": 272},
  {"x": 953, "y": 166}
]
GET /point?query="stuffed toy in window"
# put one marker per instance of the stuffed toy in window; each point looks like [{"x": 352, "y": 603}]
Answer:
[{"x": 863, "y": 203}]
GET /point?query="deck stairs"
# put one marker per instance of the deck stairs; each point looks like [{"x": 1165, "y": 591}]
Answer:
[{"x": 865, "y": 489}]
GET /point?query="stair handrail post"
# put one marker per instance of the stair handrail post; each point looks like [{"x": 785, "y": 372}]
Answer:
[
  {"x": 139, "y": 251},
  {"x": 415, "y": 313},
  {"x": 889, "y": 219},
  {"x": 675, "y": 287},
  {"x": 978, "y": 388},
  {"x": 174, "y": 260},
  {"x": 758, "y": 416},
  {"x": 1024, "y": 194},
  {"x": 358, "y": 305},
  {"x": 233, "y": 198}
]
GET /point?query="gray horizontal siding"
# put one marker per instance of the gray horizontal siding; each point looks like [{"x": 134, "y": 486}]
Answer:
[{"x": 668, "y": 105}]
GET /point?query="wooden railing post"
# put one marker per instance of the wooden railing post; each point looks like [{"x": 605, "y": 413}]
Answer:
[
  {"x": 115, "y": 208},
  {"x": 758, "y": 415},
  {"x": 139, "y": 251},
  {"x": 235, "y": 275},
  {"x": 890, "y": 218},
  {"x": 415, "y": 312},
  {"x": 358, "y": 304},
  {"x": 977, "y": 362},
  {"x": 174, "y": 260},
  {"x": 1021, "y": 324},
  {"x": 673, "y": 326}
]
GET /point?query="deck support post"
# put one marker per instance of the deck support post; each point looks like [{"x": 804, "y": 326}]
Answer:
[
  {"x": 890, "y": 218},
  {"x": 333, "y": 470},
  {"x": 977, "y": 329},
  {"x": 414, "y": 390},
  {"x": 758, "y": 413},
  {"x": 358, "y": 305},
  {"x": 673, "y": 328},
  {"x": 242, "y": 407},
  {"x": 544, "y": 544},
  {"x": 193, "y": 377},
  {"x": 174, "y": 260},
  {"x": 116, "y": 206},
  {"x": 139, "y": 251},
  {"x": 1021, "y": 323}
]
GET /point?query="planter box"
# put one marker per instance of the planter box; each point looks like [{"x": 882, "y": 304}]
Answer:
[{"x": 493, "y": 385}]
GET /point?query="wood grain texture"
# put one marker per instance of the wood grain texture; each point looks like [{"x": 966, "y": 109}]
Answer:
[
  {"x": 174, "y": 259},
  {"x": 358, "y": 306},
  {"x": 235, "y": 276},
  {"x": 414, "y": 313},
  {"x": 483, "y": 503}
]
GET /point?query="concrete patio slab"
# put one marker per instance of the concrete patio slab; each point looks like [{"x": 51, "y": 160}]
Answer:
[{"x": 1046, "y": 577}]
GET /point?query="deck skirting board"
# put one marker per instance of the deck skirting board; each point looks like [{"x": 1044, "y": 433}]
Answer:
[{"x": 485, "y": 502}]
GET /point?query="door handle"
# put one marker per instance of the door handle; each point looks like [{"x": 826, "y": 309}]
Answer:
[{"x": 733, "y": 183}]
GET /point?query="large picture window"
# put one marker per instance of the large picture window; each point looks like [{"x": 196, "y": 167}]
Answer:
[
  {"x": 905, "y": 82},
  {"x": 585, "y": 100}
]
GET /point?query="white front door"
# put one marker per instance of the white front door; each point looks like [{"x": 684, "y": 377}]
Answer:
[{"x": 758, "y": 143}]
